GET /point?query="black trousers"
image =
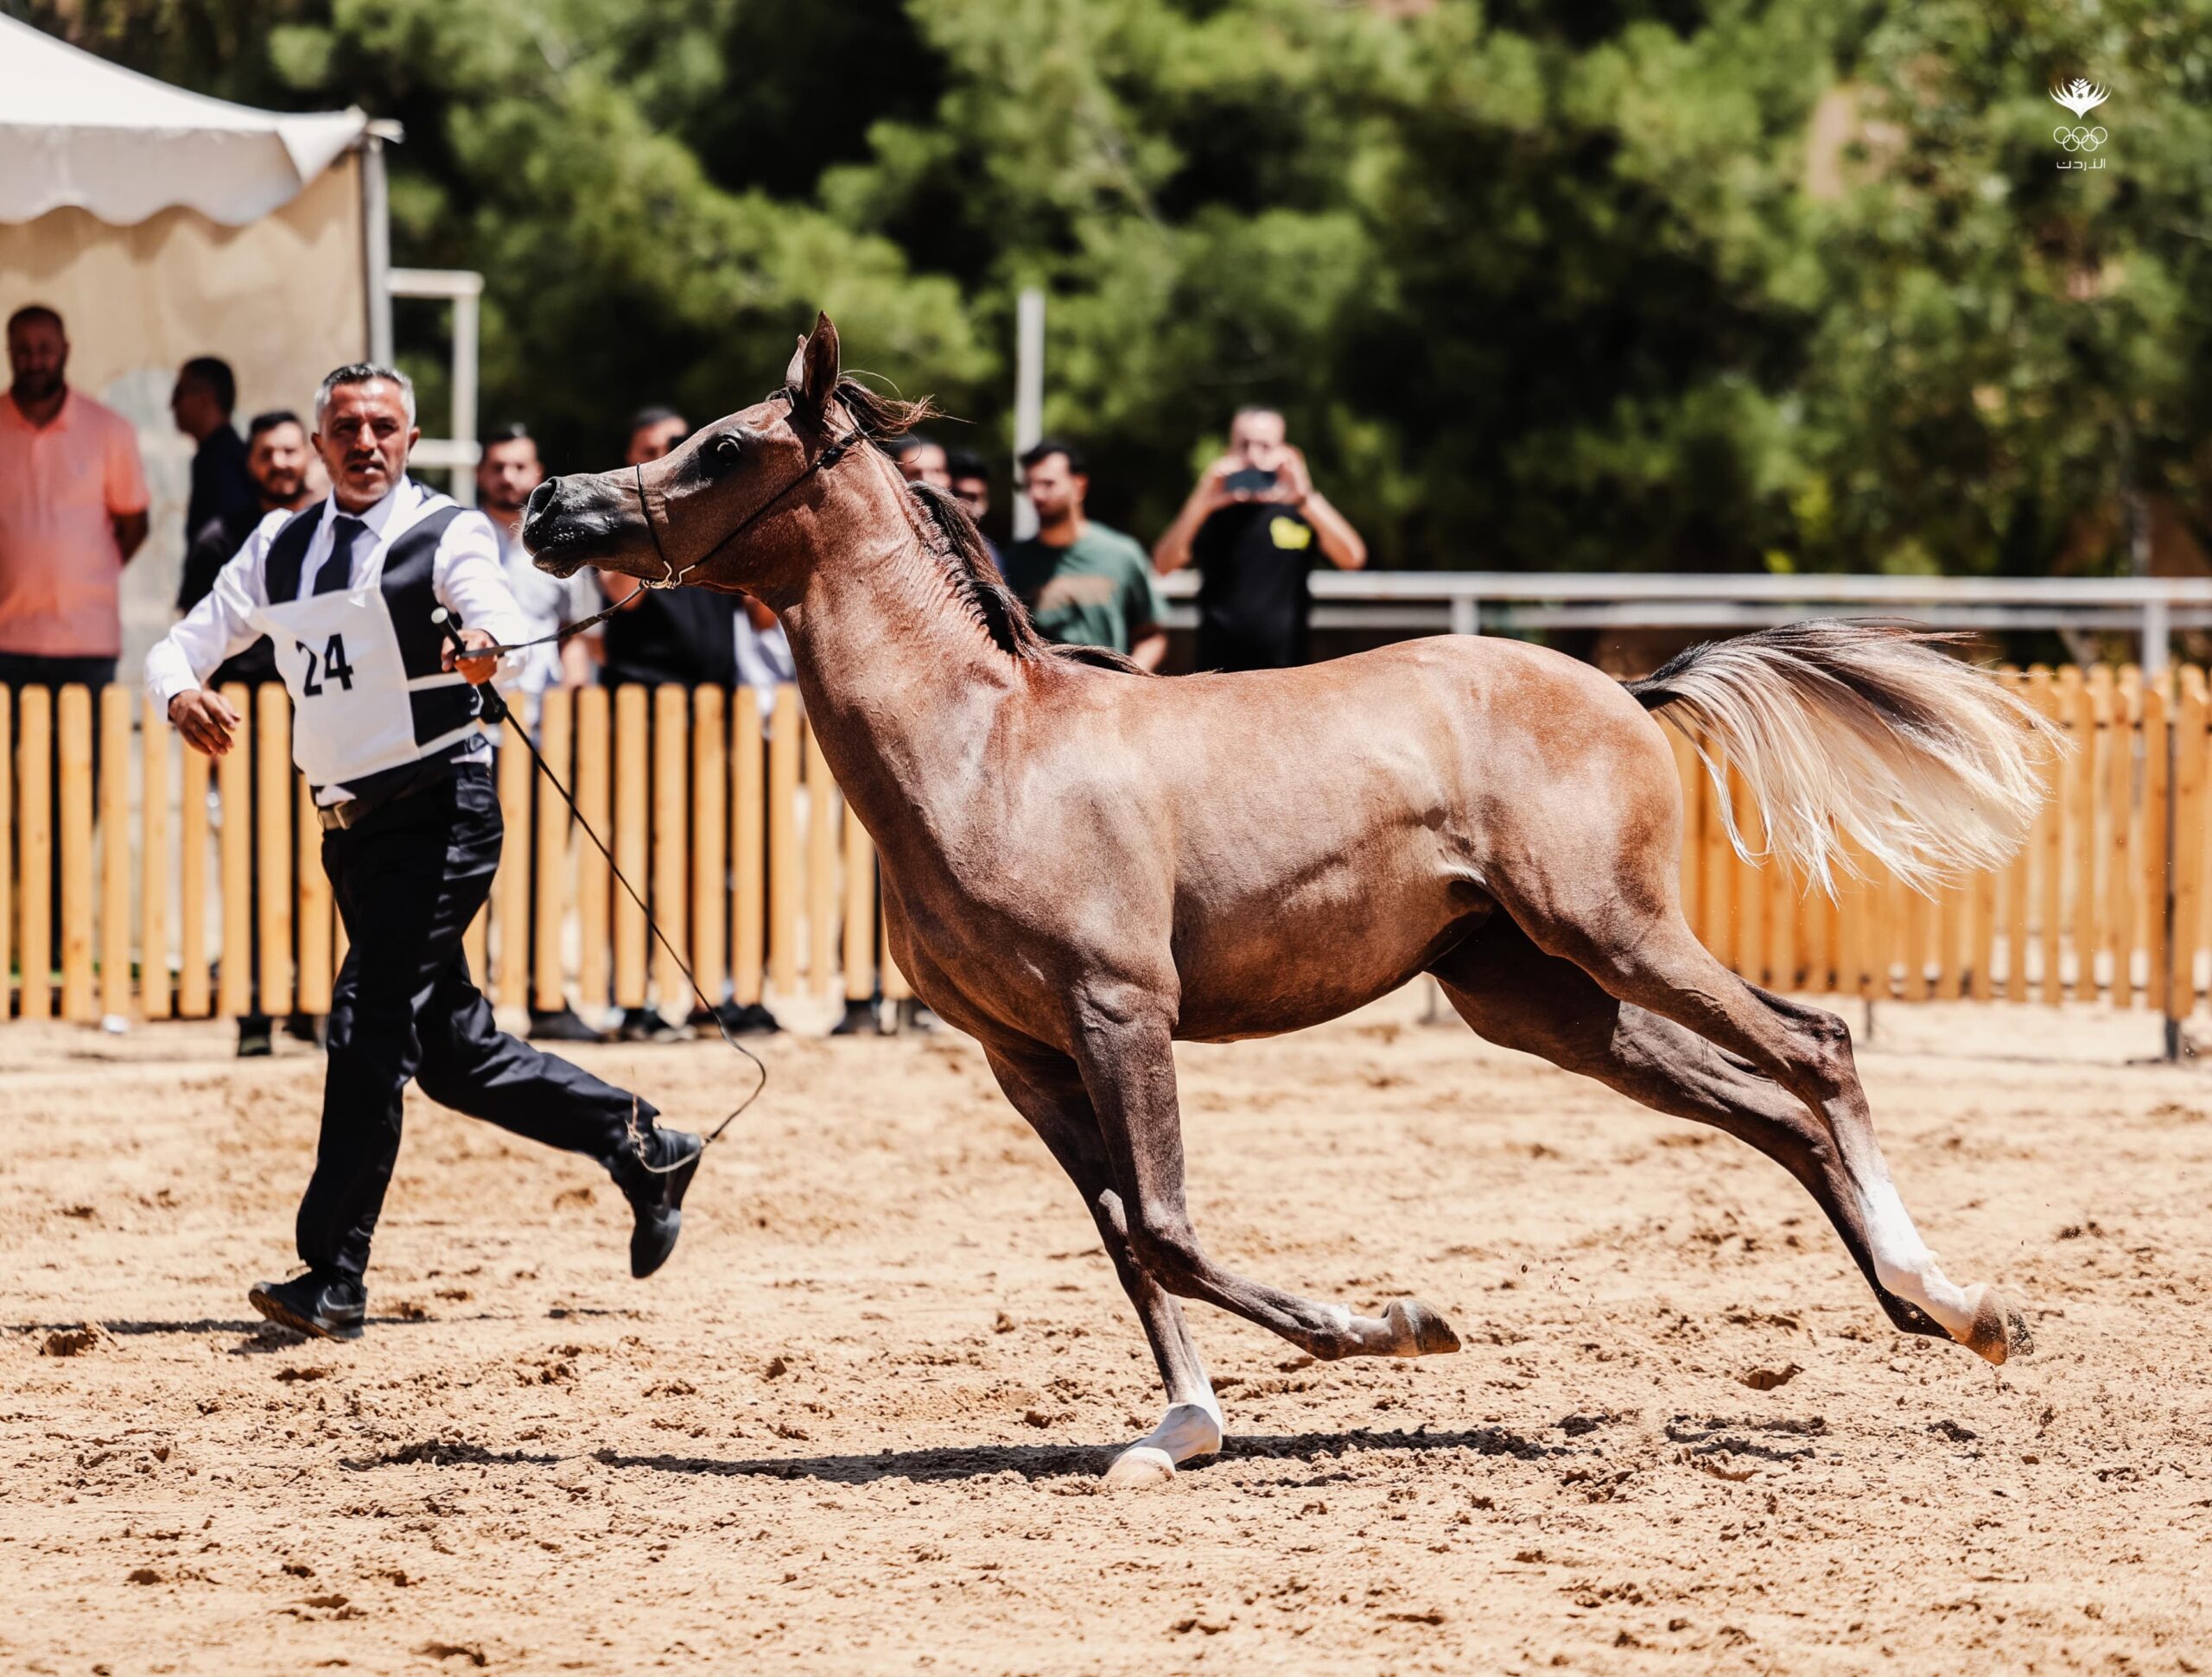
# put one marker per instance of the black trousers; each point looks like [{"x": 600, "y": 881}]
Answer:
[{"x": 407, "y": 880}]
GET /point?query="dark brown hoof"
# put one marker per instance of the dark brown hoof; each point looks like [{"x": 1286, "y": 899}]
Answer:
[
  {"x": 1999, "y": 1332},
  {"x": 1418, "y": 1330}
]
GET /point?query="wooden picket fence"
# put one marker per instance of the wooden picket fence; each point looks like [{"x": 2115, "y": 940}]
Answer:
[
  {"x": 736, "y": 834},
  {"x": 761, "y": 876}
]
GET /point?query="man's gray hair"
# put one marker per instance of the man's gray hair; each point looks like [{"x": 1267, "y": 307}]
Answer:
[{"x": 364, "y": 372}]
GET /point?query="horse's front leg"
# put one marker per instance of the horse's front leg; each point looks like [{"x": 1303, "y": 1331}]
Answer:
[
  {"x": 1124, "y": 1048},
  {"x": 1046, "y": 1090}
]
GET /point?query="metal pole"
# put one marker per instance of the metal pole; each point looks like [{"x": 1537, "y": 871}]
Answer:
[
  {"x": 1028, "y": 396},
  {"x": 464, "y": 391},
  {"x": 376, "y": 249}
]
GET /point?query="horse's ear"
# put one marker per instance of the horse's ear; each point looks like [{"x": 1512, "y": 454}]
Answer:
[{"x": 812, "y": 376}]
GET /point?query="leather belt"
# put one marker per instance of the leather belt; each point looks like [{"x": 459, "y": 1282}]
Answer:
[{"x": 338, "y": 817}]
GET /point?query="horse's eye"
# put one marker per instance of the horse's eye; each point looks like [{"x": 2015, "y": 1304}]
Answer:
[{"x": 727, "y": 449}]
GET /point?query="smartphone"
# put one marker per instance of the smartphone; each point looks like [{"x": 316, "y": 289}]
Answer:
[{"x": 1250, "y": 481}]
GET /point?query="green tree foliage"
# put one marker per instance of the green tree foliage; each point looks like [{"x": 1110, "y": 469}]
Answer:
[{"x": 1724, "y": 285}]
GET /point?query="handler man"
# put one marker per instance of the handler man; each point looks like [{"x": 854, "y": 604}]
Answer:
[{"x": 384, "y": 728}]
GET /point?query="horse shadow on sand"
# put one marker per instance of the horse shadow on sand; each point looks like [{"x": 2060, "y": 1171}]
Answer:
[{"x": 1031, "y": 1462}]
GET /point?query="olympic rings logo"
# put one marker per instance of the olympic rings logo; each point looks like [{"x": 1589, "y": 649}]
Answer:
[{"x": 2079, "y": 139}]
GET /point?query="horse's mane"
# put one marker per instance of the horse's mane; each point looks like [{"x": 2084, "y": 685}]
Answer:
[{"x": 951, "y": 535}]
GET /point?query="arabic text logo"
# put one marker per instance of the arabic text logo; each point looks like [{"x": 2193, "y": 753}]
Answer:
[
  {"x": 2079, "y": 139},
  {"x": 2079, "y": 96}
]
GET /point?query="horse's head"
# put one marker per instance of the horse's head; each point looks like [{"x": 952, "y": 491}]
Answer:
[{"x": 708, "y": 512}]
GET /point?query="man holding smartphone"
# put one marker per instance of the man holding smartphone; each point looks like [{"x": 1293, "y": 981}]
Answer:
[{"x": 1251, "y": 526}]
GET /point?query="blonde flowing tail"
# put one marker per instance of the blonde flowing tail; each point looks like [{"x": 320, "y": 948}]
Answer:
[{"x": 1868, "y": 732}]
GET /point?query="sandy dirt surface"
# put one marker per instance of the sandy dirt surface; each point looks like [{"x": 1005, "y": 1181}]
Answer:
[{"x": 856, "y": 1426}]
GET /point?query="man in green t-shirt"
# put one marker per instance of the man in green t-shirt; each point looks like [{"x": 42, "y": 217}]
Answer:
[{"x": 1085, "y": 585}]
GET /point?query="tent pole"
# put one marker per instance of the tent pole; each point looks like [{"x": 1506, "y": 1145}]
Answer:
[{"x": 376, "y": 248}]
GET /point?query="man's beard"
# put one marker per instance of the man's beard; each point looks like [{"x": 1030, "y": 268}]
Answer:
[
  {"x": 36, "y": 386},
  {"x": 280, "y": 489}
]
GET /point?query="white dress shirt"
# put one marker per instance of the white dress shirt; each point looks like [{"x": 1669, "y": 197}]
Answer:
[{"x": 467, "y": 577}]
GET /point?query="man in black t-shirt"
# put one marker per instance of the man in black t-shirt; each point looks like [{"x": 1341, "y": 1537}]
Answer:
[
  {"x": 276, "y": 466},
  {"x": 1251, "y": 526},
  {"x": 200, "y": 403}
]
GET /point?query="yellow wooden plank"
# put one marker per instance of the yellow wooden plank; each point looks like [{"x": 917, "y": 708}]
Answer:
[
  {"x": 510, "y": 985},
  {"x": 710, "y": 831},
  {"x": 234, "y": 784},
  {"x": 35, "y": 805},
  {"x": 193, "y": 999},
  {"x": 632, "y": 743},
  {"x": 313, "y": 904},
  {"x": 273, "y": 852},
  {"x": 116, "y": 703},
  {"x": 747, "y": 848},
  {"x": 593, "y": 791},
  {"x": 2123, "y": 719},
  {"x": 671, "y": 889},
  {"x": 2158, "y": 816},
  {"x": 549, "y": 897},
  {"x": 74, "y": 726},
  {"x": 2188, "y": 747},
  {"x": 155, "y": 994}
]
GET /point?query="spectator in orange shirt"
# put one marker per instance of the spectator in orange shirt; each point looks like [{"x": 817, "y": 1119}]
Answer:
[{"x": 73, "y": 510}]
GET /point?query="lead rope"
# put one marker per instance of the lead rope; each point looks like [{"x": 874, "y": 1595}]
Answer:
[{"x": 495, "y": 709}]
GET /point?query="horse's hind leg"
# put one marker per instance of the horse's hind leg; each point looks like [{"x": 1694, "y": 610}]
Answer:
[
  {"x": 1126, "y": 1052},
  {"x": 1638, "y": 949},
  {"x": 1047, "y": 1092},
  {"x": 1517, "y": 996}
]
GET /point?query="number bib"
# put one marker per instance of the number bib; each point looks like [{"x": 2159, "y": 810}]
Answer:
[
  {"x": 363, "y": 665},
  {"x": 339, "y": 657}
]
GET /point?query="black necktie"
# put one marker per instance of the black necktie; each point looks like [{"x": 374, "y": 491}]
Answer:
[{"x": 337, "y": 572}]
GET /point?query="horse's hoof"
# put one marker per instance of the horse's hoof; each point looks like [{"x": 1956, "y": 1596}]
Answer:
[
  {"x": 1998, "y": 1330},
  {"x": 1418, "y": 1330},
  {"x": 1141, "y": 1467}
]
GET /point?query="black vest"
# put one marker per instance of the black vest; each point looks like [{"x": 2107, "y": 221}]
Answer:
[{"x": 408, "y": 600}]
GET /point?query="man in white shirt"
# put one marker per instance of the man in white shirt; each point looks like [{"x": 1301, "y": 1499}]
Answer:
[
  {"x": 507, "y": 471},
  {"x": 384, "y": 728}
]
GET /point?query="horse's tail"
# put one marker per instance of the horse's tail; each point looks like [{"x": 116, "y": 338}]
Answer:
[{"x": 1867, "y": 732}]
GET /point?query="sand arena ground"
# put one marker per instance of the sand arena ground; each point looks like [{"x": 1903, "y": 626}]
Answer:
[{"x": 856, "y": 1424}]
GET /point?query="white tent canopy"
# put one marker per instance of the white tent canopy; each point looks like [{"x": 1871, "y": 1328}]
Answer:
[{"x": 78, "y": 132}]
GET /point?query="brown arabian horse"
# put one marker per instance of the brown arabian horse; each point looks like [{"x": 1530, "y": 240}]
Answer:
[{"x": 1082, "y": 863}]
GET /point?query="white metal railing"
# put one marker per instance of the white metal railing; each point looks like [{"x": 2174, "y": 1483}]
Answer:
[
  {"x": 458, "y": 453},
  {"x": 1468, "y": 602}
]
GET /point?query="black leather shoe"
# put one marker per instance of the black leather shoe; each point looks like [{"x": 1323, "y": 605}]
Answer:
[
  {"x": 645, "y": 1024},
  {"x": 657, "y": 1196},
  {"x": 256, "y": 1041},
  {"x": 859, "y": 1019},
  {"x": 321, "y": 1303},
  {"x": 562, "y": 1025},
  {"x": 747, "y": 1020}
]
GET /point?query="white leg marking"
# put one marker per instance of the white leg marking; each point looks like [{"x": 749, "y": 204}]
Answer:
[
  {"x": 1904, "y": 1264},
  {"x": 1189, "y": 1428}
]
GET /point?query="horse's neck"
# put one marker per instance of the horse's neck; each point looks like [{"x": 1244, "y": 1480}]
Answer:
[{"x": 902, "y": 684}]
